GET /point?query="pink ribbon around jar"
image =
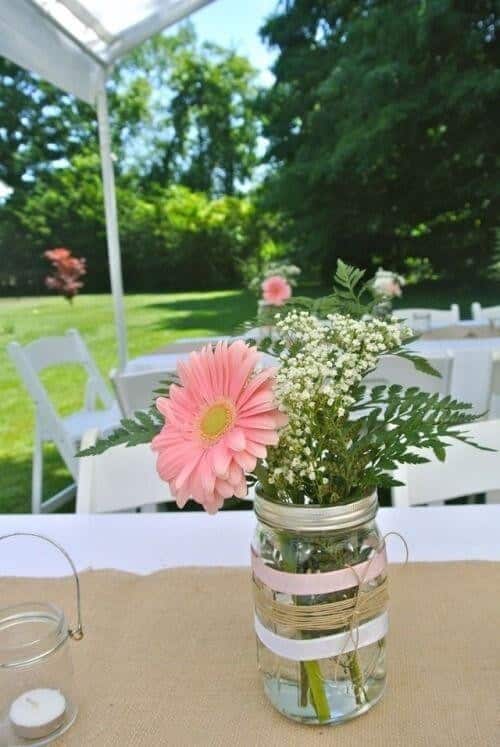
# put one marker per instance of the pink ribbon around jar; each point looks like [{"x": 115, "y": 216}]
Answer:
[{"x": 319, "y": 583}]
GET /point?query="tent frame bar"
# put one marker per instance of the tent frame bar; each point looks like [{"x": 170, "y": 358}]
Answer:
[
  {"x": 109, "y": 192},
  {"x": 112, "y": 234},
  {"x": 80, "y": 12},
  {"x": 86, "y": 50}
]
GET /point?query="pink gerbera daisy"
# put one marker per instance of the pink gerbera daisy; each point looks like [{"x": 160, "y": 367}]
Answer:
[
  {"x": 217, "y": 424},
  {"x": 276, "y": 290}
]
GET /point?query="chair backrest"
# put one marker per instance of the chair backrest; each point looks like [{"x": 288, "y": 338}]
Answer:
[
  {"x": 48, "y": 351},
  {"x": 32, "y": 358},
  {"x": 466, "y": 470},
  {"x": 494, "y": 403},
  {"x": 392, "y": 369},
  {"x": 136, "y": 390},
  {"x": 476, "y": 311},
  {"x": 422, "y": 319},
  {"x": 485, "y": 313},
  {"x": 120, "y": 479}
]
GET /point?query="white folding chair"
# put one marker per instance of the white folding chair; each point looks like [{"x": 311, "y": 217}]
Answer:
[
  {"x": 423, "y": 320},
  {"x": 65, "y": 432},
  {"x": 392, "y": 369},
  {"x": 486, "y": 314},
  {"x": 121, "y": 479},
  {"x": 136, "y": 390},
  {"x": 466, "y": 471},
  {"x": 494, "y": 398},
  {"x": 494, "y": 409}
]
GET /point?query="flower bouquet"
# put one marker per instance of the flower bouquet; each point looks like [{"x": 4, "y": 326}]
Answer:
[
  {"x": 274, "y": 284},
  {"x": 316, "y": 443},
  {"x": 386, "y": 286},
  {"x": 289, "y": 272}
]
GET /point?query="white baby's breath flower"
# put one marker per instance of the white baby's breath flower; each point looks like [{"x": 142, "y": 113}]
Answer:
[{"x": 322, "y": 360}]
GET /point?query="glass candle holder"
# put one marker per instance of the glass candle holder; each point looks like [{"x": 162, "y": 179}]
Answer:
[{"x": 38, "y": 702}]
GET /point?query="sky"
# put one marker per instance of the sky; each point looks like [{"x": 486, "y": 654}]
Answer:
[{"x": 236, "y": 23}]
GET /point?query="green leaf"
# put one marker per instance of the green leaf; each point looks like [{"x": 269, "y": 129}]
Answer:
[
  {"x": 421, "y": 364},
  {"x": 440, "y": 452},
  {"x": 411, "y": 458},
  {"x": 130, "y": 433}
]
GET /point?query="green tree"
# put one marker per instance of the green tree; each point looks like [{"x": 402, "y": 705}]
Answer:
[
  {"x": 184, "y": 137},
  {"x": 42, "y": 128},
  {"x": 39, "y": 126},
  {"x": 383, "y": 128},
  {"x": 172, "y": 238},
  {"x": 204, "y": 125}
]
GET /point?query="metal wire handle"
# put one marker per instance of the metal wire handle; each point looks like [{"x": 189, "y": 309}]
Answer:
[{"x": 75, "y": 633}]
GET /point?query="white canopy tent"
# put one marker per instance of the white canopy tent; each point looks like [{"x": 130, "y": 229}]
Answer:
[{"x": 74, "y": 44}]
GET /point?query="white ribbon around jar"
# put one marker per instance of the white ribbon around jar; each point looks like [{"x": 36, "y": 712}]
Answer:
[{"x": 310, "y": 649}]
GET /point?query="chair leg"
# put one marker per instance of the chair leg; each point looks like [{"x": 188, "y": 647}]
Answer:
[
  {"x": 59, "y": 499},
  {"x": 37, "y": 474}
]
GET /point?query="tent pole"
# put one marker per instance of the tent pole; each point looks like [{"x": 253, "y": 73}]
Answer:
[{"x": 114, "y": 256}]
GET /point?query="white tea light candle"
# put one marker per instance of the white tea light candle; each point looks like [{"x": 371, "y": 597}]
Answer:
[{"x": 37, "y": 713}]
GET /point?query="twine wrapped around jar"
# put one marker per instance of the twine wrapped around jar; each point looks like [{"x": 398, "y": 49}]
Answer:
[{"x": 325, "y": 616}]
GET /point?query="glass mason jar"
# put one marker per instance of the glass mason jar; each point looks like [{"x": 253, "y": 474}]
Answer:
[
  {"x": 382, "y": 309},
  {"x": 320, "y": 589},
  {"x": 37, "y": 693}
]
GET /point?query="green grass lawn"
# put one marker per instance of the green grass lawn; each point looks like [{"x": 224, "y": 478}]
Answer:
[{"x": 152, "y": 321}]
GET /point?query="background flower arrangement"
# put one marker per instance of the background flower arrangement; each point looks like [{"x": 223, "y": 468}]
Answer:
[
  {"x": 387, "y": 284},
  {"x": 274, "y": 284},
  {"x": 286, "y": 270}
]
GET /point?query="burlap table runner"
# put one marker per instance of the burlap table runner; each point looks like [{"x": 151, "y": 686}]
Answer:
[{"x": 169, "y": 659}]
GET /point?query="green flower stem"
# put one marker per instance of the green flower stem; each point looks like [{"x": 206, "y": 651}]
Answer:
[
  {"x": 356, "y": 678},
  {"x": 317, "y": 688},
  {"x": 310, "y": 672},
  {"x": 304, "y": 685}
]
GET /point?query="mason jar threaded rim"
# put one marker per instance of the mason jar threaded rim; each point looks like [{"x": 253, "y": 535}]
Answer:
[
  {"x": 30, "y": 646},
  {"x": 314, "y": 518}
]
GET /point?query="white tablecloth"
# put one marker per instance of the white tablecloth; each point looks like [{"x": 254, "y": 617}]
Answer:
[
  {"x": 144, "y": 543},
  {"x": 168, "y": 362},
  {"x": 161, "y": 362}
]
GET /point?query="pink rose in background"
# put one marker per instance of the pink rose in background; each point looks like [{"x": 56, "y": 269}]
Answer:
[{"x": 276, "y": 290}]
